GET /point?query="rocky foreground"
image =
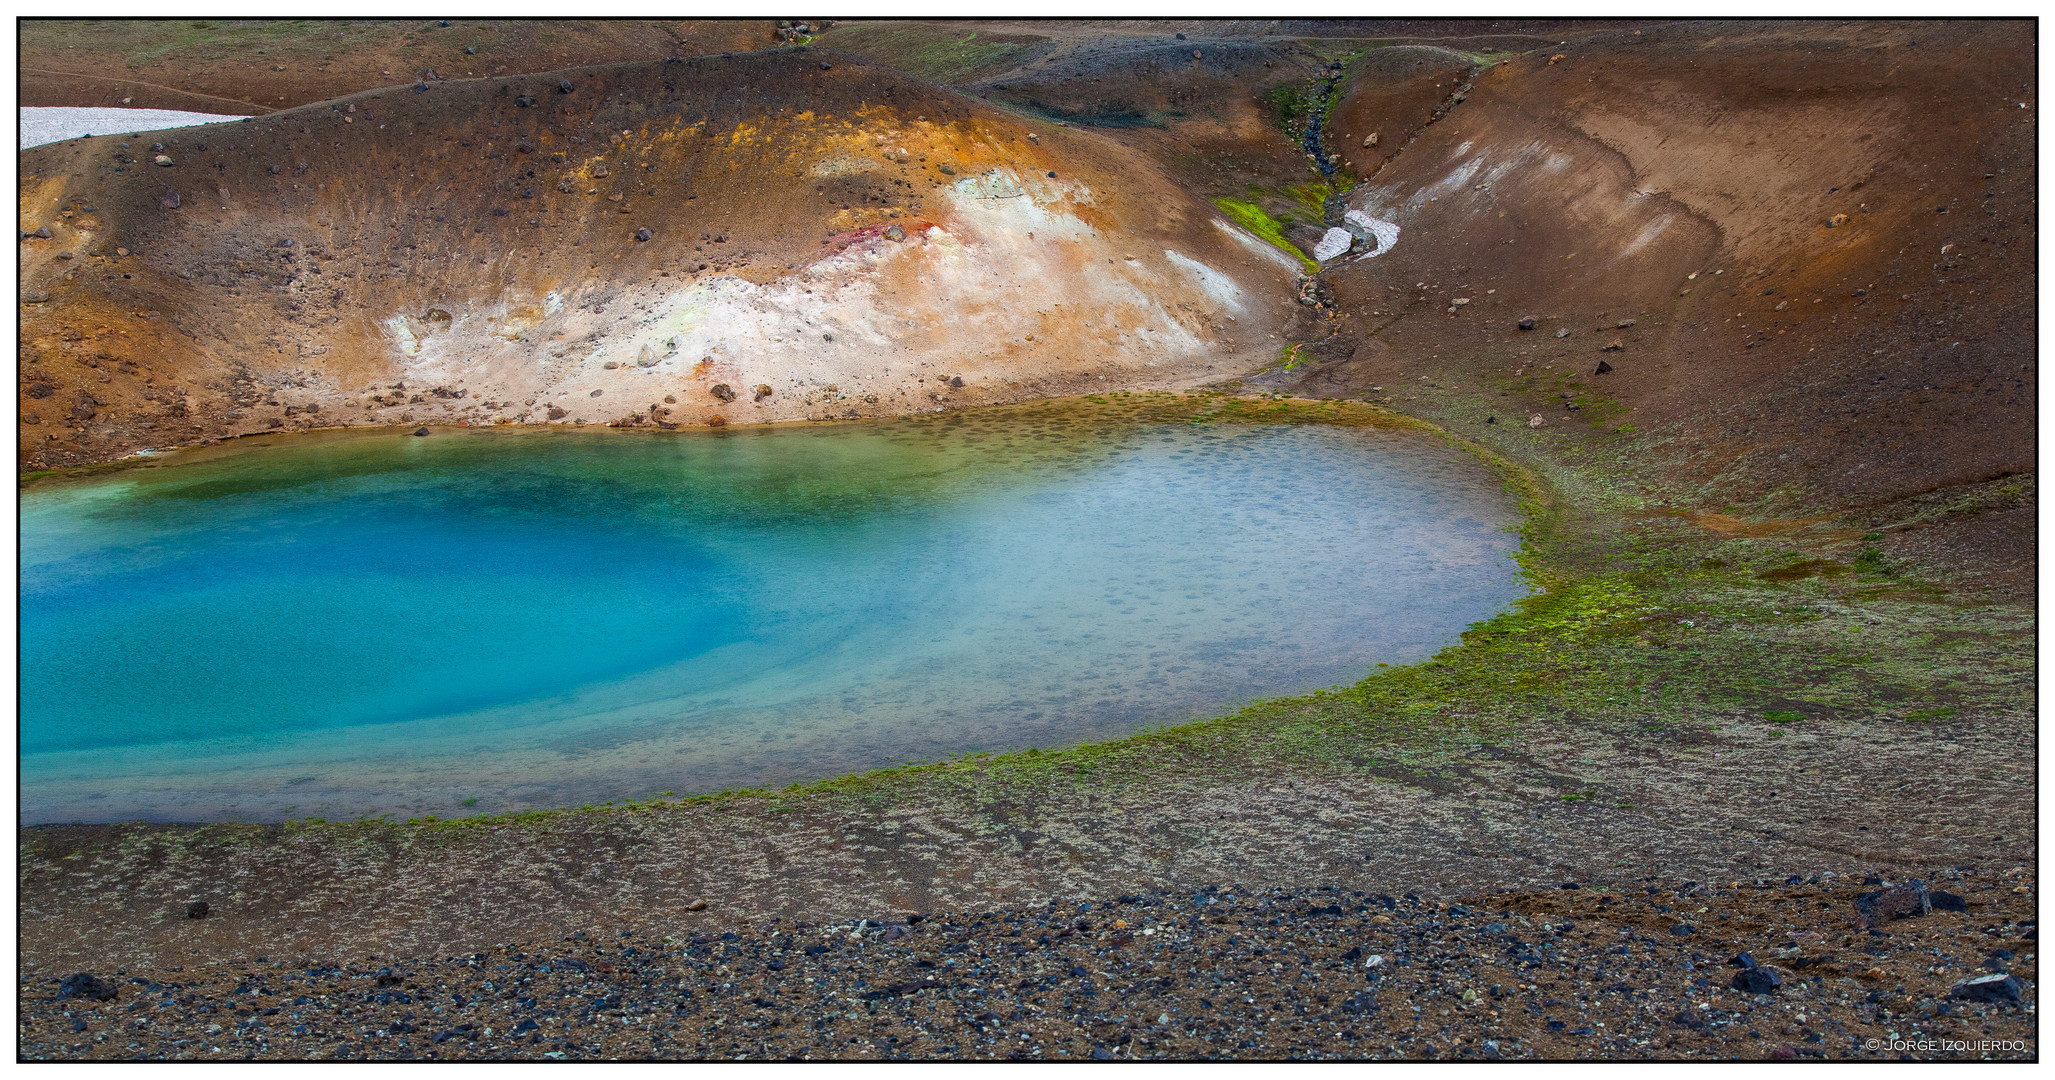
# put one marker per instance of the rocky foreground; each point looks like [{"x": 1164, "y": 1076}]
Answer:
[{"x": 1831, "y": 967}]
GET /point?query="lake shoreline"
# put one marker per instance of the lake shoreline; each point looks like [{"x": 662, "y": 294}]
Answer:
[
  {"x": 1508, "y": 764},
  {"x": 322, "y": 787},
  {"x": 1127, "y": 402}
]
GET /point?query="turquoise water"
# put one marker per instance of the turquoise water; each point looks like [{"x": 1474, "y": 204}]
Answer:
[{"x": 372, "y": 623}]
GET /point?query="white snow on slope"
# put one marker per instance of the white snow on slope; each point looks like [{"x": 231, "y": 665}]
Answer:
[
  {"x": 1386, "y": 233},
  {"x": 56, "y": 124}
]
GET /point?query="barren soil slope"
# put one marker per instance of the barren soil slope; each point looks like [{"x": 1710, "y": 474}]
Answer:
[
  {"x": 726, "y": 239},
  {"x": 249, "y": 66},
  {"x": 1802, "y": 288}
]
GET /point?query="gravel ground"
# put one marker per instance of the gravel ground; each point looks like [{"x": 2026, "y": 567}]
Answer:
[
  {"x": 1225, "y": 972},
  {"x": 51, "y": 124}
]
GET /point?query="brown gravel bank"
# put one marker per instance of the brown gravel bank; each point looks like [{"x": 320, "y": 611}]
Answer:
[{"x": 1223, "y": 972}]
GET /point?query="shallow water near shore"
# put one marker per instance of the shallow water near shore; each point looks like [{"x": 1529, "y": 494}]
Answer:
[{"x": 353, "y": 623}]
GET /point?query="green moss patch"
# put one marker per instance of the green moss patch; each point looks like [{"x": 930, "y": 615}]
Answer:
[
  {"x": 937, "y": 54},
  {"x": 1253, "y": 218}
]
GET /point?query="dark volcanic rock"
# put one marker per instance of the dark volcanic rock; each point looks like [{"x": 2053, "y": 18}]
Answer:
[
  {"x": 93, "y": 988},
  {"x": 1756, "y": 980},
  {"x": 1896, "y": 902},
  {"x": 1529, "y": 323},
  {"x": 196, "y": 910},
  {"x": 1989, "y": 988}
]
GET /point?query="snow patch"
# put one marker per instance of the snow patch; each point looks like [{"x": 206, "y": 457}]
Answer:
[
  {"x": 41, "y": 125},
  {"x": 1335, "y": 242},
  {"x": 1387, "y": 233}
]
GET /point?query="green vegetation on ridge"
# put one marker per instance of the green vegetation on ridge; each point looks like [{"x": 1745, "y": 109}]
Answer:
[
  {"x": 934, "y": 53},
  {"x": 1253, "y": 218}
]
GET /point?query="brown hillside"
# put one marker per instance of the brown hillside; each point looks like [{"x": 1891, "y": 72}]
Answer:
[
  {"x": 1579, "y": 173},
  {"x": 849, "y": 240},
  {"x": 263, "y": 65},
  {"x": 1693, "y": 179}
]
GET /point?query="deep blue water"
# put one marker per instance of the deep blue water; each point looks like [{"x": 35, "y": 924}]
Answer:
[{"x": 367, "y": 623}]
